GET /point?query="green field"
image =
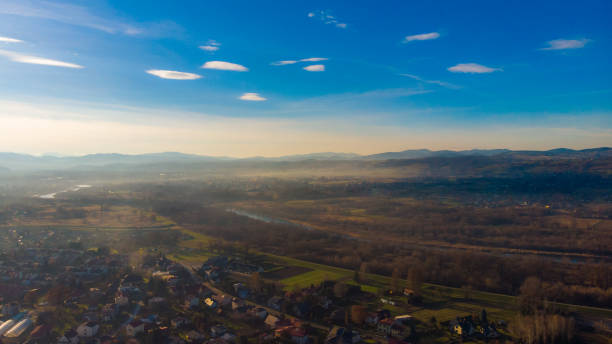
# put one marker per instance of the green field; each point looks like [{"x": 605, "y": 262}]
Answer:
[{"x": 443, "y": 303}]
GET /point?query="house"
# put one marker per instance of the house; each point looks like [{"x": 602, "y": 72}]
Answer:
[
  {"x": 301, "y": 309},
  {"x": 462, "y": 326},
  {"x": 223, "y": 300},
  {"x": 260, "y": 312},
  {"x": 156, "y": 301},
  {"x": 372, "y": 319},
  {"x": 210, "y": 302},
  {"x": 134, "y": 327},
  {"x": 241, "y": 291},
  {"x": 109, "y": 312},
  {"x": 212, "y": 274},
  {"x": 271, "y": 320},
  {"x": 179, "y": 322},
  {"x": 392, "y": 340},
  {"x": 238, "y": 304},
  {"x": 342, "y": 335},
  {"x": 403, "y": 319},
  {"x": 69, "y": 337},
  {"x": 106, "y": 340},
  {"x": 41, "y": 332},
  {"x": 194, "y": 336},
  {"x": 325, "y": 302},
  {"x": 11, "y": 308},
  {"x": 215, "y": 262},
  {"x": 217, "y": 330},
  {"x": 338, "y": 316},
  {"x": 297, "y": 334},
  {"x": 88, "y": 329},
  {"x": 219, "y": 340},
  {"x": 392, "y": 328},
  {"x": 121, "y": 300},
  {"x": 489, "y": 331},
  {"x": 408, "y": 292},
  {"x": 229, "y": 337},
  {"x": 387, "y": 301},
  {"x": 90, "y": 316},
  {"x": 275, "y": 302},
  {"x": 192, "y": 301}
]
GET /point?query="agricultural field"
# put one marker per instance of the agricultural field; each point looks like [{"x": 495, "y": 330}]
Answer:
[{"x": 443, "y": 303}]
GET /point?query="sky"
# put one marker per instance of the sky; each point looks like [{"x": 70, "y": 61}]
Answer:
[{"x": 271, "y": 78}]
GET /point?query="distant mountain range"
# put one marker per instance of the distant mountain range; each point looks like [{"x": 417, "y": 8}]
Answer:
[{"x": 20, "y": 162}]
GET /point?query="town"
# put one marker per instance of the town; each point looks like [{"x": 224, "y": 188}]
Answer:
[{"x": 78, "y": 294}]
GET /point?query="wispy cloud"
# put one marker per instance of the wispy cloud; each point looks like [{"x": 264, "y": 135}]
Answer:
[
  {"x": 21, "y": 58},
  {"x": 434, "y": 82},
  {"x": 81, "y": 16},
  {"x": 9, "y": 40},
  {"x": 314, "y": 59},
  {"x": 315, "y": 68},
  {"x": 327, "y": 18},
  {"x": 422, "y": 37},
  {"x": 174, "y": 75},
  {"x": 563, "y": 44},
  {"x": 472, "y": 68},
  {"x": 222, "y": 65},
  {"x": 284, "y": 62},
  {"x": 288, "y": 62},
  {"x": 253, "y": 97},
  {"x": 211, "y": 45}
]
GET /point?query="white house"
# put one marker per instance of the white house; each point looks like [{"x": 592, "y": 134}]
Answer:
[
  {"x": 88, "y": 329},
  {"x": 134, "y": 327}
]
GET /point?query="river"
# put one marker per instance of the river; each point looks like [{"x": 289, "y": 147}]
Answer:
[
  {"x": 268, "y": 219},
  {"x": 71, "y": 189}
]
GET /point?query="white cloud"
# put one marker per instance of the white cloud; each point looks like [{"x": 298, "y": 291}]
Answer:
[
  {"x": 211, "y": 45},
  {"x": 222, "y": 65},
  {"x": 314, "y": 59},
  {"x": 327, "y": 18},
  {"x": 283, "y": 63},
  {"x": 174, "y": 75},
  {"x": 315, "y": 68},
  {"x": 17, "y": 57},
  {"x": 9, "y": 40},
  {"x": 472, "y": 68},
  {"x": 562, "y": 44},
  {"x": 422, "y": 37},
  {"x": 254, "y": 97},
  {"x": 434, "y": 82},
  {"x": 288, "y": 62}
]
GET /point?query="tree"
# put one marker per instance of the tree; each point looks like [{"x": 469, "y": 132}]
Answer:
[
  {"x": 483, "y": 317},
  {"x": 531, "y": 296},
  {"x": 395, "y": 276},
  {"x": 414, "y": 279},
  {"x": 340, "y": 290},
  {"x": 363, "y": 271},
  {"x": 255, "y": 282}
]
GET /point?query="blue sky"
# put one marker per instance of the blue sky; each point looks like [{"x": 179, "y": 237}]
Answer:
[{"x": 359, "y": 76}]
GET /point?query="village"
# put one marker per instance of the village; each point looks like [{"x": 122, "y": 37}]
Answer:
[{"x": 76, "y": 295}]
